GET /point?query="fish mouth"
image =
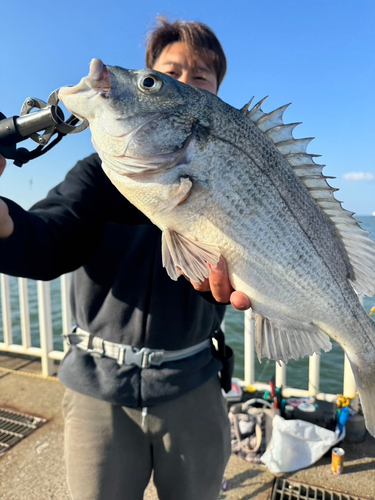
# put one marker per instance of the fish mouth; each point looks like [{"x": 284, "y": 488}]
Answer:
[
  {"x": 97, "y": 80},
  {"x": 98, "y": 77}
]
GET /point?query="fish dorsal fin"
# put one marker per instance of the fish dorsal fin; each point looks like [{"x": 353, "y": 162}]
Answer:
[
  {"x": 358, "y": 244},
  {"x": 245, "y": 108}
]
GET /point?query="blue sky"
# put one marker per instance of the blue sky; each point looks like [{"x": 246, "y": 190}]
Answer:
[{"x": 317, "y": 54}]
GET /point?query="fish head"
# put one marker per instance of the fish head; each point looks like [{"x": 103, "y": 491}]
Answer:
[{"x": 137, "y": 118}]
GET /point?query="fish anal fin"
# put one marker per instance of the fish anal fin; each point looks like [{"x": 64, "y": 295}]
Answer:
[
  {"x": 190, "y": 256},
  {"x": 283, "y": 341}
]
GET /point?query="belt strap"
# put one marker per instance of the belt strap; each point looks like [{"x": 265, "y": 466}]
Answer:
[{"x": 126, "y": 354}]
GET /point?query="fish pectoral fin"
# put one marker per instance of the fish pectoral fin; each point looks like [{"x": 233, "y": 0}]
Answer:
[
  {"x": 182, "y": 193},
  {"x": 284, "y": 341},
  {"x": 190, "y": 256}
]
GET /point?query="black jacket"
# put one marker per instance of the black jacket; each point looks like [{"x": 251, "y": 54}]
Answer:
[{"x": 120, "y": 292}]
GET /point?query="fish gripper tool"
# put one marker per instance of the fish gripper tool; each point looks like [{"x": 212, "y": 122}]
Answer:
[{"x": 38, "y": 121}]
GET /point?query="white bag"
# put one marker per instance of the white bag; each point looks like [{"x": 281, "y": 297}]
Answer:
[{"x": 296, "y": 444}]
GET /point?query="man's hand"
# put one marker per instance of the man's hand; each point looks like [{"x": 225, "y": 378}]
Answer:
[
  {"x": 2, "y": 164},
  {"x": 6, "y": 223},
  {"x": 221, "y": 289}
]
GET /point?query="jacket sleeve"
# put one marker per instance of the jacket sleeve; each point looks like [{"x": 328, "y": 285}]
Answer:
[{"x": 61, "y": 232}]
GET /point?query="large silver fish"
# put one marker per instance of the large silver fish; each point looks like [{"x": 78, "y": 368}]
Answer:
[{"x": 221, "y": 181}]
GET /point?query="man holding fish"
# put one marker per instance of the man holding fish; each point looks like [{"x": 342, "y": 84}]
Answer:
[{"x": 143, "y": 392}]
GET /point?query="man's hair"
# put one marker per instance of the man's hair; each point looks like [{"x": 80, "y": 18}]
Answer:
[{"x": 198, "y": 37}]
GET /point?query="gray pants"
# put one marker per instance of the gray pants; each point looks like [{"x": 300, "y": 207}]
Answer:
[{"x": 111, "y": 451}]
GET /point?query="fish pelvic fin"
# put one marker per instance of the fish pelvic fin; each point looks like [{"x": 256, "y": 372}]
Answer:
[
  {"x": 364, "y": 376},
  {"x": 190, "y": 256},
  {"x": 284, "y": 341}
]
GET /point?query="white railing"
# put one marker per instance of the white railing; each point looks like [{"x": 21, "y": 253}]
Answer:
[
  {"x": 46, "y": 351},
  {"x": 47, "y": 354}
]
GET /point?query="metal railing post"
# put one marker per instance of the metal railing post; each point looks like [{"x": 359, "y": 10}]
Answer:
[
  {"x": 24, "y": 312},
  {"x": 350, "y": 387},
  {"x": 249, "y": 348},
  {"x": 45, "y": 326},
  {"x": 65, "y": 305},
  {"x": 314, "y": 374},
  {"x": 5, "y": 305},
  {"x": 280, "y": 374}
]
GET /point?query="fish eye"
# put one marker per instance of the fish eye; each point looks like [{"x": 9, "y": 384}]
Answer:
[{"x": 149, "y": 83}]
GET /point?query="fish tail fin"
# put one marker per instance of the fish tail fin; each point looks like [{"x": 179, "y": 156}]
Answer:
[{"x": 365, "y": 380}]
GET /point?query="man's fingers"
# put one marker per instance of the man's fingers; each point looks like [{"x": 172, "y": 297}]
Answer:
[
  {"x": 240, "y": 301},
  {"x": 2, "y": 164},
  {"x": 200, "y": 287},
  {"x": 220, "y": 286},
  {"x": 6, "y": 223},
  {"x": 222, "y": 290}
]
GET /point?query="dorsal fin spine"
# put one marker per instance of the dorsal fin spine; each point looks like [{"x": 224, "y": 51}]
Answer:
[{"x": 359, "y": 246}]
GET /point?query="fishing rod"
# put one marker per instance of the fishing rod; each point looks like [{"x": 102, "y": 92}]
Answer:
[{"x": 36, "y": 116}]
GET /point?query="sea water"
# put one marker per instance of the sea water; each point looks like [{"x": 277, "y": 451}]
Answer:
[{"x": 331, "y": 365}]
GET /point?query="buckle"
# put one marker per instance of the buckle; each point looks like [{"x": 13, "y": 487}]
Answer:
[
  {"x": 156, "y": 357},
  {"x": 143, "y": 358},
  {"x": 96, "y": 351}
]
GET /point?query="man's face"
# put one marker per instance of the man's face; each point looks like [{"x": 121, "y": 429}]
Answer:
[{"x": 175, "y": 62}]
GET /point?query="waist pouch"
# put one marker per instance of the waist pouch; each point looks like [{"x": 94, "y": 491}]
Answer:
[{"x": 226, "y": 356}]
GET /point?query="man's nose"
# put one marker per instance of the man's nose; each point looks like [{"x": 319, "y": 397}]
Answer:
[{"x": 185, "y": 77}]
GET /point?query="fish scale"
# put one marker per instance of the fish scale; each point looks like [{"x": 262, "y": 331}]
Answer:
[
  {"x": 220, "y": 181},
  {"x": 262, "y": 252}
]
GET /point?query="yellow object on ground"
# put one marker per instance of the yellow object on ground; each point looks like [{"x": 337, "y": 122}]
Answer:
[
  {"x": 249, "y": 388},
  {"x": 343, "y": 401}
]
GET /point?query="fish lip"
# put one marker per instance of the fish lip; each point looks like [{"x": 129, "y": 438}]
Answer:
[
  {"x": 98, "y": 80},
  {"x": 98, "y": 77}
]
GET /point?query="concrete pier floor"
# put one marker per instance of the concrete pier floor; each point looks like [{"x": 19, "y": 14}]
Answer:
[{"x": 34, "y": 468}]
